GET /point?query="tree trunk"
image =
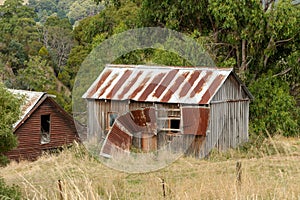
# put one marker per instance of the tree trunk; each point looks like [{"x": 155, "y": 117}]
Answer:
[
  {"x": 238, "y": 62},
  {"x": 244, "y": 56}
]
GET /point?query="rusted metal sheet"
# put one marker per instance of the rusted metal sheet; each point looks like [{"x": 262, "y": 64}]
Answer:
[
  {"x": 195, "y": 120},
  {"x": 209, "y": 93},
  {"x": 135, "y": 124},
  {"x": 187, "y": 85},
  {"x": 100, "y": 81}
]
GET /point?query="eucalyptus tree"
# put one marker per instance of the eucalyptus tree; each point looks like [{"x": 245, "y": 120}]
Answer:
[{"x": 9, "y": 114}]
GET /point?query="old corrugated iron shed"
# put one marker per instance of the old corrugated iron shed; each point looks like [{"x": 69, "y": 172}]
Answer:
[
  {"x": 186, "y": 85},
  {"x": 207, "y": 105}
]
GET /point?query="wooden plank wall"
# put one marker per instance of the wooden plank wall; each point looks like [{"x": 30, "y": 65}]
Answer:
[
  {"x": 97, "y": 116},
  {"x": 62, "y": 132}
]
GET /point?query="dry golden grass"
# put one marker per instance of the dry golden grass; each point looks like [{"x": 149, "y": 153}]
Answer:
[{"x": 270, "y": 172}]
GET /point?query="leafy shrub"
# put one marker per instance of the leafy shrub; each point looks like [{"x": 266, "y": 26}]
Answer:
[
  {"x": 9, "y": 192},
  {"x": 273, "y": 109},
  {"x": 9, "y": 114},
  {"x": 3, "y": 160}
]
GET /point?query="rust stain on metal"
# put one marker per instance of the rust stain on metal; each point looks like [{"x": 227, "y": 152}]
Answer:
[
  {"x": 135, "y": 122},
  {"x": 185, "y": 74},
  {"x": 165, "y": 83},
  {"x": 139, "y": 117},
  {"x": 150, "y": 114},
  {"x": 139, "y": 88},
  {"x": 173, "y": 88},
  {"x": 187, "y": 86},
  {"x": 128, "y": 122},
  {"x": 107, "y": 86},
  {"x": 212, "y": 89},
  {"x": 200, "y": 84},
  {"x": 119, "y": 84},
  {"x": 116, "y": 139},
  {"x": 157, "y": 84},
  {"x": 99, "y": 83},
  {"x": 151, "y": 86},
  {"x": 130, "y": 85},
  {"x": 119, "y": 138},
  {"x": 195, "y": 120}
]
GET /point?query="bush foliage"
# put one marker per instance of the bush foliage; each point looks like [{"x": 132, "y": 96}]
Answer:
[
  {"x": 9, "y": 114},
  {"x": 9, "y": 192},
  {"x": 273, "y": 110}
]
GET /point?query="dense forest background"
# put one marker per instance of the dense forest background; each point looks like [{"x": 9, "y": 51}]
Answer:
[{"x": 44, "y": 42}]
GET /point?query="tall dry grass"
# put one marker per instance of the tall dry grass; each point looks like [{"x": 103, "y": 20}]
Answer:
[{"x": 271, "y": 171}]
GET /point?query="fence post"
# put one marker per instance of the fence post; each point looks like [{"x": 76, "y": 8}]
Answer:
[
  {"x": 60, "y": 190},
  {"x": 239, "y": 174},
  {"x": 163, "y": 187}
]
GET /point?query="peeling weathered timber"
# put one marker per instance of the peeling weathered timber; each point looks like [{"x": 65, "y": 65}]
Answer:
[{"x": 62, "y": 131}]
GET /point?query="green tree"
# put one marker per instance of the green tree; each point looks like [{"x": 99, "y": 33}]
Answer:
[
  {"x": 91, "y": 31},
  {"x": 274, "y": 109},
  {"x": 9, "y": 114},
  {"x": 38, "y": 76},
  {"x": 58, "y": 39},
  {"x": 184, "y": 16},
  {"x": 20, "y": 37},
  {"x": 254, "y": 38},
  {"x": 82, "y": 9}
]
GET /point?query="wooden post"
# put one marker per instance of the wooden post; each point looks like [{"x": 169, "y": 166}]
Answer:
[
  {"x": 239, "y": 174},
  {"x": 163, "y": 187},
  {"x": 60, "y": 190}
]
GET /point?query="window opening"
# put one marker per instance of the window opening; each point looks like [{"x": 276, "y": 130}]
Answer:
[
  {"x": 45, "y": 129},
  {"x": 174, "y": 124},
  {"x": 112, "y": 116}
]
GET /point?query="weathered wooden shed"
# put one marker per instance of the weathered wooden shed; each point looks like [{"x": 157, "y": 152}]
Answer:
[
  {"x": 43, "y": 126},
  {"x": 151, "y": 106}
]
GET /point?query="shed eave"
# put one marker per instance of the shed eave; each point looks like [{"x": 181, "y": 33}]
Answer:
[{"x": 251, "y": 97}]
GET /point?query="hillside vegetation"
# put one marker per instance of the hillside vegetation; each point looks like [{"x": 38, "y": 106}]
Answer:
[
  {"x": 43, "y": 45},
  {"x": 271, "y": 171},
  {"x": 2, "y": 2}
]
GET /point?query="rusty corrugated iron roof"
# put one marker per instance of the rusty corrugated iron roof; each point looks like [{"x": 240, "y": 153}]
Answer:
[
  {"x": 31, "y": 98},
  {"x": 167, "y": 84}
]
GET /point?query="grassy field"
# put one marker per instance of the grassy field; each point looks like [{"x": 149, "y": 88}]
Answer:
[{"x": 271, "y": 171}]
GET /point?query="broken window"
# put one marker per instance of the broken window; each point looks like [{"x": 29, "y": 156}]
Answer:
[
  {"x": 45, "y": 129},
  {"x": 111, "y": 118},
  {"x": 174, "y": 124},
  {"x": 169, "y": 119}
]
